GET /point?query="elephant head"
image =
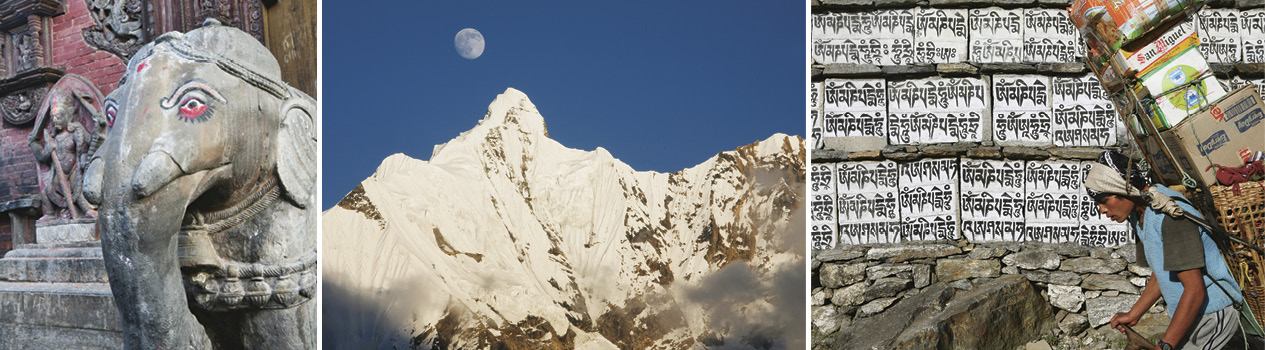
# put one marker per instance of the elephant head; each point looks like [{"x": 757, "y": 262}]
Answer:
[{"x": 205, "y": 191}]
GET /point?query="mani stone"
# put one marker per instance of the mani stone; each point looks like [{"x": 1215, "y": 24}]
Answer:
[
  {"x": 949, "y": 270},
  {"x": 1092, "y": 265},
  {"x": 1067, "y": 298},
  {"x": 1109, "y": 282},
  {"x": 1100, "y": 310},
  {"x": 906, "y": 253},
  {"x": 1033, "y": 259},
  {"x": 852, "y": 295},
  {"x": 836, "y": 275}
]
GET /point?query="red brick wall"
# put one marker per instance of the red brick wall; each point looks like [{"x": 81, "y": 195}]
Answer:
[
  {"x": 6, "y": 235},
  {"x": 18, "y": 177},
  {"x": 71, "y": 52}
]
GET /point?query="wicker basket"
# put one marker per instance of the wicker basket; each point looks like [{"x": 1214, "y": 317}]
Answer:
[
  {"x": 1236, "y": 211},
  {"x": 1242, "y": 214}
]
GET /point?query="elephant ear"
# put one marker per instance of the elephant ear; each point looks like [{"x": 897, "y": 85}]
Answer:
[{"x": 296, "y": 149}]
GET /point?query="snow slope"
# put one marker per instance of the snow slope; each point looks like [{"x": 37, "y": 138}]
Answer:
[{"x": 506, "y": 237}]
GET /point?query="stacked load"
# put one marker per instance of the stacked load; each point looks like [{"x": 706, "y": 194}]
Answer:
[
  {"x": 1190, "y": 128},
  {"x": 1146, "y": 54}
]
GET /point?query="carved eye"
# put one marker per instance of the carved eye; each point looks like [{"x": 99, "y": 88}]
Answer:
[
  {"x": 193, "y": 107},
  {"x": 191, "y": 101},
  {"x": 111, "y": 108}
]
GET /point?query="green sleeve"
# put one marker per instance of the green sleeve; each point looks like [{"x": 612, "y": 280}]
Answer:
[{"x": 1183, "y": 246}]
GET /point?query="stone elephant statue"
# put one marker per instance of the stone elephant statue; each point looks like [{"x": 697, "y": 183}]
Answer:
[{"x": 206, "y": 190}]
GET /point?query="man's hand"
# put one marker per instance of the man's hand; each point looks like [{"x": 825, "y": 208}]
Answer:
[{"x": 1123, "y": 318}]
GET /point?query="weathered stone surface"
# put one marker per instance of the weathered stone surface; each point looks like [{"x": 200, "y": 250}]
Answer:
[
  {"x": 948, "y": 270},
  {"x": 1092, "y": 265},
  {"x": 1222, "y": 69},
  {"x": 1092, "y": 294},
  {"x": 78, "y": 270},
  {"x": 24, "y": 336},
  {"x": 827, "y": 319},
  {"x": 988, "y": 152},
  {"x": 1008, "y": 307},
  {"x": 839, "y": 254},
  {"x": 1010, "y": 270},
  {"x": 1128, "y": 252},
  {"x": 1101, "y": 309},
  {"x": 876, "y": 154},
  {"x": 1078, "y": 153},
  {"x": 819, "y": 297},
  {"x": 1110, "y": 293},
  {"x": 902, "y": 153},
  {"x": 852, "y": 295},
  {"x": 838, "y": 275},
  {"x": 1138, "y": 281},
  {"x": 1140, "y": 271},
  {"x": 879, "y": 330},
  {"x": 962, "y": 285},
  {"x": 1068, "y": 298},
  {"x": 876, "y": 272},
  {"x": 886, "y": 287},
  {"x": 829, "y": 156},
  {"x": 1053, "y": 277},
  {"x": 1007, "y": 67},
  {"x": 1033, "y": 259},
  {"x": 1072, "y": 250},
  {"x": 1024, "y": 153},
  {"x": 908, "y": 69},
  {"x": 983, "y": 253},
  {"x": 1068, "y": 67},
  {"x": 875, "y": 306},
  {"x": 1100, "y": 253},
  {"x": 1248, "y": 4},
  {"x": 62, "y": 305},
  {"x": 906, "y": 253},
  {"x": 948, "y": 150},
  {"x": 922, "y": 275},
  {"x": 852, "y": 70},
  {"x": 1074, "y": 324},
  {"x": 1109, "y": 282},
  {"x": 816, "y": 70},
  {"x": 957, "y": 69}
]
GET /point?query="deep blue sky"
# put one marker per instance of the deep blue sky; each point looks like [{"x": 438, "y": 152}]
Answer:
[{"x": 662, "y": 85}]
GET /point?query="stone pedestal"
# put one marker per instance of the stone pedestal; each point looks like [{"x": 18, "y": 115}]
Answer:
[{"x": 55, "y": 294}]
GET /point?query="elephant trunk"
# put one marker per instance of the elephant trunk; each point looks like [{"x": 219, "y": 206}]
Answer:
[{"x": 140, "y": 213}]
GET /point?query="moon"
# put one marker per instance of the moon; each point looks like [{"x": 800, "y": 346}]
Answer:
[{"x": 469, "y": 43}]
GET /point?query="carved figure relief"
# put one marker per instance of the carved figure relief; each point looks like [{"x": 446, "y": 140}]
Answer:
[
  {"x": 68, "y": 130},
  {"x": 206, "y": 188},
  {"x": 118, "y": 26},
  {"x": 19, "y": 107}
]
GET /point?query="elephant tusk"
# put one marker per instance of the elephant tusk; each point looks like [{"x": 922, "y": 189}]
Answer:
[{"x": 156, "y": 170}]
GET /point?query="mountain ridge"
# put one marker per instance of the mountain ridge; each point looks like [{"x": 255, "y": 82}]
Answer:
[{"x": 609, "y": 256}]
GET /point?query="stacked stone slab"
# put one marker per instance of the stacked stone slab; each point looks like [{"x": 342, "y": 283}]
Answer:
[
  {"x": 1085, "y": 285},
  {"x": 54, "y": 293}
]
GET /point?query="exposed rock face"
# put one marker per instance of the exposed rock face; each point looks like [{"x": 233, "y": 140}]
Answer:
[
  {"x": 1002, "y": 314},
  {"x": 507, "y": 237}
]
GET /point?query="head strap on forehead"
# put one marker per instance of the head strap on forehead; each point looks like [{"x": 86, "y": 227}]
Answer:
[{"x": 1108, "y": 177}]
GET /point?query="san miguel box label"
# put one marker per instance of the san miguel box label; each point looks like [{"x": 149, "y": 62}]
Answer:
[{"x": 1218, "y": 134}]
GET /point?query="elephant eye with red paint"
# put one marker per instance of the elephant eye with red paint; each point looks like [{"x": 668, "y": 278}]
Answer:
[
  {"x": 192, "y": 101},
  {"x": 111, "y": 109}
]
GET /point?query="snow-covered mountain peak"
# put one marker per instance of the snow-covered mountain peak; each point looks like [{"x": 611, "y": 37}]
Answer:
[{"x": 507, "y": 237}]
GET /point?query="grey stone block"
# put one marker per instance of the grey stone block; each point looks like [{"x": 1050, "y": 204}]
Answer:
[
  {"x": 957, "y": 69},
  {"x": 1078, "y": 153},
  {"x": 34, "y": 337},
  {"x": 80, "y": 270},
  {"x": 1007, "y": 67},
  {"x": 828, "y": 156},
  {"x": 852, "y": 70},
  {"x": 909, "y": 69},
  {"x": 1249, "y": 4},
  {"x": 1025, "y": 153},
  {"x": 1068, "y": 67},
  {"x": 66, "y": 305}
]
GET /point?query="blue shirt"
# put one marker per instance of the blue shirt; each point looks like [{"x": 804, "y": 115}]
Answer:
[{"x": 1148, "y": 229}]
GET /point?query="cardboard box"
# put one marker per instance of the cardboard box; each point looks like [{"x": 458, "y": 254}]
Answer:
[
  {"x": 1218, "y": 135},
  {"x": 1166, "y": 47},
  {"x": 1116, "y": 22},
  {"x": 1174, "y": 107}
]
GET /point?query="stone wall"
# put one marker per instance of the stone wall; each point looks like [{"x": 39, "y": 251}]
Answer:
[{"x": 1085, "y": 285}]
